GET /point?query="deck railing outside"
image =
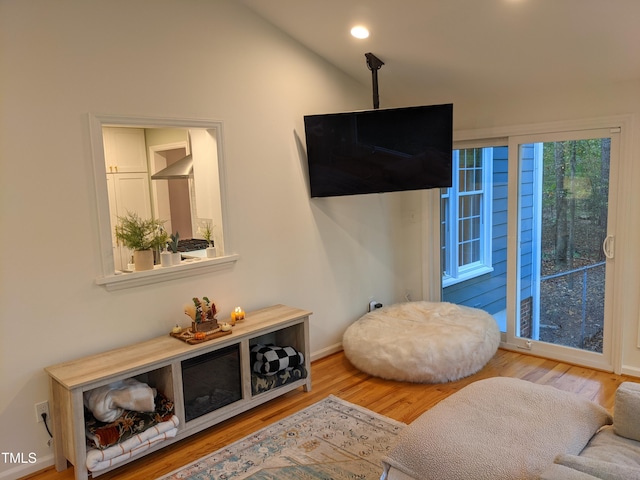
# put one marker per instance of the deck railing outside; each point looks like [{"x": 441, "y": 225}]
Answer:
[{"x": 584, "y": 271}]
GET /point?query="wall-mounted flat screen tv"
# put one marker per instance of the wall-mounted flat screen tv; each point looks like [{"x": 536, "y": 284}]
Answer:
[{"x": 376, "y": 151}]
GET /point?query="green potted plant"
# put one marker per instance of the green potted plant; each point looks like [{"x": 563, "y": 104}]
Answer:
[
  {"x": 176, "y": 258},
  {"x": 141, "y": 235},
  {"x": 207, "y": 233}
]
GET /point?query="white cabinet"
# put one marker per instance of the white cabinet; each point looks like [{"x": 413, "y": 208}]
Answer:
[
  {"x": 124, "y": 150},
  {"x": 164, "y": 362},
  {"x": 128, "y": 192},
  {"x": 127, "y": 181}
]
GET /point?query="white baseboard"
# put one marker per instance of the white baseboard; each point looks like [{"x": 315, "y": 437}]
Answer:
[
  {"x": 24, "y": 469},
  {"x": 325, "y": 352},
  {"x": 631, "y": 371}
]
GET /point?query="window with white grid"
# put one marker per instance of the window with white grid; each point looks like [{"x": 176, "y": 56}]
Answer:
[{"x": 465, "y": 210}]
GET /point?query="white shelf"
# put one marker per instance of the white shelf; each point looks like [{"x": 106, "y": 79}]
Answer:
[{"x": 188, "y": 268}]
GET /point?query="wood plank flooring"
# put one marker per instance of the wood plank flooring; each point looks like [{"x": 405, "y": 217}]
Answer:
[{"x": 398, "y": 400}]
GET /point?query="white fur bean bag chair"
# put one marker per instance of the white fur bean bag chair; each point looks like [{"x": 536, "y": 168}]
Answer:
[{"x": 425, "y": 342}]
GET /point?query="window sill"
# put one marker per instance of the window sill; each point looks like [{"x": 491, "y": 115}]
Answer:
[
  {"x": 468, "y": 275},
  {"x": 119, "y": 281}
]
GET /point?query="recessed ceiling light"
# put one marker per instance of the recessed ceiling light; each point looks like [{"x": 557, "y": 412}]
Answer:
[{"x": 359, "y": 32}]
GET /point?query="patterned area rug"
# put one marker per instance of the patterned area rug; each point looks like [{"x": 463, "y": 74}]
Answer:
[{"x": 332, "y": 439}]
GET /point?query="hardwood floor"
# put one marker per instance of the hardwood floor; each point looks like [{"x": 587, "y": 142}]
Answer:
[{"x": 335, "y": 375}]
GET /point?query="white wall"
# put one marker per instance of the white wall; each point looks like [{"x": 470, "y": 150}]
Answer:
[{"x": 186, "y": 59}]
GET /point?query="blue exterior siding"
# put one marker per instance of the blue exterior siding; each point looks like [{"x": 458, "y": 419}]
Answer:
[
  {"x": 488, "y": 291},
  {"x": 527, "y": 202}
]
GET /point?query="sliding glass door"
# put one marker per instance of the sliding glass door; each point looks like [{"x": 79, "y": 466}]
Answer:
[
  {"x": 526, "y": 234},
  {"x": 561, "y": 250}
]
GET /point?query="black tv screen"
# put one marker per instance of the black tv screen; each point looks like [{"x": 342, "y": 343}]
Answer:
[{"x": 376, "y": 151}]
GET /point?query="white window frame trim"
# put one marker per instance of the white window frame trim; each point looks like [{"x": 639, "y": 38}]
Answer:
[
  {"x": 107, "y": 276},
  {"x": 484, "y": 265}
]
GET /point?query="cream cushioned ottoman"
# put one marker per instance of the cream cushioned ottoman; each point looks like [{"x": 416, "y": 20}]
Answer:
[
  {"x": 424, "y": 342},
  {"x": 495, "y": 429}
]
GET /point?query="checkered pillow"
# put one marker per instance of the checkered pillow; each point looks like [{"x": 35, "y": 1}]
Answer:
[{"x": 270, "y": 359}]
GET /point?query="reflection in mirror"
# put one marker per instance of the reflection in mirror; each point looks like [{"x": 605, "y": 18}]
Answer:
[{"x": 140, "y": 164}]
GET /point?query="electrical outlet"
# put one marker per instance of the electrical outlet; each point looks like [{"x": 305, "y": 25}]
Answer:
[
  {"x": 374, "y": 305},
  {"x": 42, "y": 407}
]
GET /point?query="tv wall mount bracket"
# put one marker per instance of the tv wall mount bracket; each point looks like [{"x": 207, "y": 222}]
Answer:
[{"x": 374, "y": 64}]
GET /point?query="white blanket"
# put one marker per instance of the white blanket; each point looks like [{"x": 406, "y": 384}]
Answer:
[
  {"x": 498, "y": 428},
  {"x": 101, "y": 459},
  {"x": 108, "y": 402}
]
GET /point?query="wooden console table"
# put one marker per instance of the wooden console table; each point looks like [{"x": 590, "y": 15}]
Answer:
[{"x": 160, "y": 363}]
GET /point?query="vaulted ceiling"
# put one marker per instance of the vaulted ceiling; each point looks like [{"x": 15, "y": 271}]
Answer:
[{"x": 478, "y": 47}]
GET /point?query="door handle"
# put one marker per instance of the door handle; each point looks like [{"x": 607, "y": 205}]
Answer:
[{"x": 608, "y": 246}]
